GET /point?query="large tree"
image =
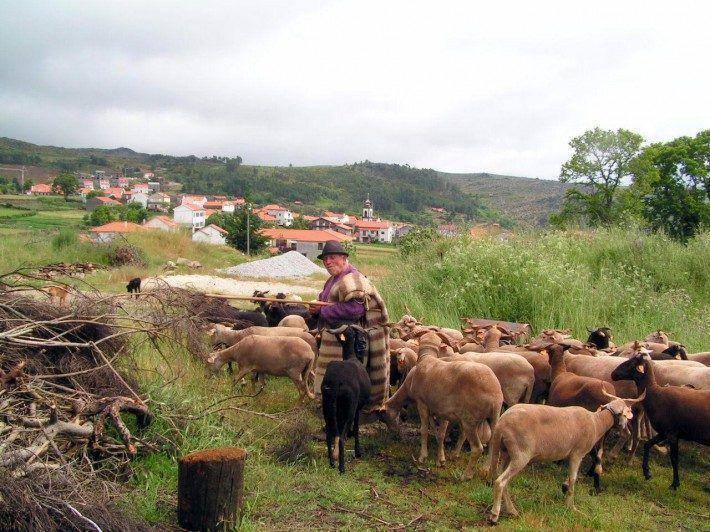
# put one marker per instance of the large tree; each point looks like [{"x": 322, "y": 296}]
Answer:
[
  {"x": 673, "y": 180},
  {"x": 601, "y": 161},
  {"x": 65, "y": 184},
  {"x": 236, "y": 226}
]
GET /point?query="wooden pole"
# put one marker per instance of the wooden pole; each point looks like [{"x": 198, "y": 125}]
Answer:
[
  {"x": 273, "y": 300},
  {"x": 211, "y": 489}
]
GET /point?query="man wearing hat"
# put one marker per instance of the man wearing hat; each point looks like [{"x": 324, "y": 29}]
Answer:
[{"x": 354, "y": 300}]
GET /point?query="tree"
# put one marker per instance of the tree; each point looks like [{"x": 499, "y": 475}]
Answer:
[
  {"x": 65, "y": 184},
  {"x": 299, "y": 222},
  {"x": 133, "y": 212},
  {"x": 236, "y": 226},
  {"x": 101, "y": 215},
  {"x": 673, "y": 180},
  {"x": 601, "y": 161}
]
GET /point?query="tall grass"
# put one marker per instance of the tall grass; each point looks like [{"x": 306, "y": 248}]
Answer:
[{"x": 625, "y": 279}]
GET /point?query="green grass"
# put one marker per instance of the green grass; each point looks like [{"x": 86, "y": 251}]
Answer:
[{"x": 629, "y": 281}]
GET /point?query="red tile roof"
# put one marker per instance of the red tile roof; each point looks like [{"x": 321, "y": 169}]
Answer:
[
  {"x": 265, "y": 217},
  {"x": 108, "y": 201},
  {"x": 42, "y": 187},
  {"x": 273, "y": 208},
  {"x": 166, "y": 220},
  {"x": 190, "y": 206},
  {"x": 304, "y": 235},
  {"x": 372, "y": 224},
  {"x": 218, "y": 228},
  {"x": 118, "y": 227}
]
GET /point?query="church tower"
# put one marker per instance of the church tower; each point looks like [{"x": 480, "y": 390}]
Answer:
[{"x": 367, "y": 212}]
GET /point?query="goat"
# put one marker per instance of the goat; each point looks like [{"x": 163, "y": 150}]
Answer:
[
  {"x": 675, "y": 412},
  {"x": 281, "y": 356},
  {"x": 345, "y": 391},
  {"x": 134, "y": 286},
  {"x": 528, "y": 432},
  {"x": 463, "y": 391}
]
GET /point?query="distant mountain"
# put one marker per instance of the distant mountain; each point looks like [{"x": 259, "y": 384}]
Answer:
[
  {"x": 398, "y": 191},
  {"x": 528, "y": 201}
]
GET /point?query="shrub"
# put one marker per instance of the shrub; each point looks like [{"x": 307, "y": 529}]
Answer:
[
  {"x": 121, "y": 255},
  {"x": 66, "y": 237}
]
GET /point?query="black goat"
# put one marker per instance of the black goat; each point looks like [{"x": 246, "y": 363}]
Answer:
[
  {"x": 345, "y": 390},
  {"x": 600, "y": 337},
  {"x": 134, "y": 286},
  {"x": 275, "y": 312},
  {"x": 675, "y": 412}
]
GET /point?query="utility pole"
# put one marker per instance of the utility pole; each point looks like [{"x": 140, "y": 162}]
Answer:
[
  {"x": 22, "y": 176},
  {"x": 248, "y": 226}
]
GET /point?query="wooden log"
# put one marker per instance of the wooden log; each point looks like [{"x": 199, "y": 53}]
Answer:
[{"x": 211, "y": 489}]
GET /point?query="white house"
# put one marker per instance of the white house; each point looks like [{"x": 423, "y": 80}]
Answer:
[
  {"x": 194, "y": 200},
  {"x": 374, "y": 231},
  {"x": 308, "y": 242},
  {"x": 283, "y": 216},
  {"x": 163, "y": 223},
  {"x": 189, "y": 215},
  {"x": 138, "y": 196},
  {"x": 211, "y": 234}
]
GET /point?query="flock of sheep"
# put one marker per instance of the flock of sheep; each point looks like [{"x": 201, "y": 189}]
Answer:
[{"x": 490, "y": 386}]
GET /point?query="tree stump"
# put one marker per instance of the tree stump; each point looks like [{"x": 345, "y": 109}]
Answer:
[{"x": 211, "y": 488}]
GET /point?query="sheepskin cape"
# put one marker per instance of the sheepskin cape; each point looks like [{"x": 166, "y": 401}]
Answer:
[{"x": 356, "y": 286}]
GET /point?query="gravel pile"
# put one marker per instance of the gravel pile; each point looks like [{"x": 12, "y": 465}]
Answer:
[{"x": 288, "y": 265}]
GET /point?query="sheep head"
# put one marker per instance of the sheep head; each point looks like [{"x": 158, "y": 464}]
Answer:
[{"x": 354, "y": 339}]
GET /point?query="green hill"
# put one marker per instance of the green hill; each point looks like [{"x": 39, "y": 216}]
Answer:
[{"x": 397, "y": 191}]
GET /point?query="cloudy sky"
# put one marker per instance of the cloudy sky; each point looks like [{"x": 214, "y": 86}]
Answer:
[{"x": 457, "y": 86}]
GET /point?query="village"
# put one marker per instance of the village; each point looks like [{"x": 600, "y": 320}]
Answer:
[{"x": 170, "y": 210}]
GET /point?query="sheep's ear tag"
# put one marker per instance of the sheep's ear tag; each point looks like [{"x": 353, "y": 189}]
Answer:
[
  {"x": 628, "y": 414},
  {"x": 543, "y": 352},
  {"x": 602, "y": 335},
  {"x": 342, "y": 337},
  {"x": 677, "y": 357},
  {"x": 641, "y": 369}
]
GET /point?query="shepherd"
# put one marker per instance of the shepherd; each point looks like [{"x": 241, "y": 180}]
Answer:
[{"x": 355, "y": 300}]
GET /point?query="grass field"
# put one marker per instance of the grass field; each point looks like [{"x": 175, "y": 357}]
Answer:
[{"x": 630, "y": 281}]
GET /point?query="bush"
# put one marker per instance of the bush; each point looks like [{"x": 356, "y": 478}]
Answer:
[{"x": 66, "y": 237}]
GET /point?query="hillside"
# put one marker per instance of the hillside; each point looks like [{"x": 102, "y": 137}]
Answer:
[
  {"x": 397, "y": 191},
  {"x": 527, "y": 201}
]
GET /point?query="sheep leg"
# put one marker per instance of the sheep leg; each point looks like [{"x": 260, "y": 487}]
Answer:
[
  {"x": 341, "y": 453},
  {"x": 423, "y": 430},
  {"x": 476, "y": 448},
  {"x": 440, "y": 436},
  {"x": 673, "y": 440},
  {"x": 299, "y": 384},
  {"x": 242, "y": 373},
  {"x": 336, "y": 449},
  {"x": 356, "y": 434},
  {"x": 568, "y": 486},
  {"x": 595, "y": 467},
  {"x": 500, "y": 486},
  {"x": 646, "y": 450},
  {"x": 459, "y": 445}
]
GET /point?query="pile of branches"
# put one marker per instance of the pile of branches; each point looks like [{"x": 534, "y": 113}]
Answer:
[
  {"x": 66, "y": 269},
  {"x": 61, "y": 399}
]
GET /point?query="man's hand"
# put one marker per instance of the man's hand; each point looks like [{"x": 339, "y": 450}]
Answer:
[{"x": 314, "y": 309}]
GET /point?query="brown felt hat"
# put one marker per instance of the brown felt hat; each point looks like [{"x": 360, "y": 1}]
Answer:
[{"x": 332, "y": 247}]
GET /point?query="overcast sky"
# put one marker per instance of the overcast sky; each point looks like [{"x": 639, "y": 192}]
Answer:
[{"x": 457, "y": 86}]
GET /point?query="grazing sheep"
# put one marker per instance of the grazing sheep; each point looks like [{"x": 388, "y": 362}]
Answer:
[
  {"x": 281, "y": 356},
  {"x": 345, "y": 390},
  {"x": 544, "y": 433},
  {"x": 462, "y": 391},
  {"x": 294, "y": 320},
  {"x": 657, "y": 351},
  {"x": 675, "y": 412}
]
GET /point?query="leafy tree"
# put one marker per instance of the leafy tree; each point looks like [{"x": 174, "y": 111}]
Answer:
[
  {"x": 133, "y": 212},
  {"x": 416, "y": 239},
  {"x": 101, "y": 215},
  {"x": 65, "y": 184},
  {"x": 673, "y": 180},
  {"x": 94, "y": 194},
  {"x": 601, "y": 161},
  {"x": 236, "y": 226}
]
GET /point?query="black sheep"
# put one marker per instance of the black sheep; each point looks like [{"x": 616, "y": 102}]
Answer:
[
  {"x": 600, "y": 337},
  {"x": 275, "y": 312},
  {"x": 134, "y": 286},
  {"x": 345, "y": 390}
]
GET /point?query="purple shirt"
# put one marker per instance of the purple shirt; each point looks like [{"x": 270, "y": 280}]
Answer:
[{"x": 351, "y": 310}]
